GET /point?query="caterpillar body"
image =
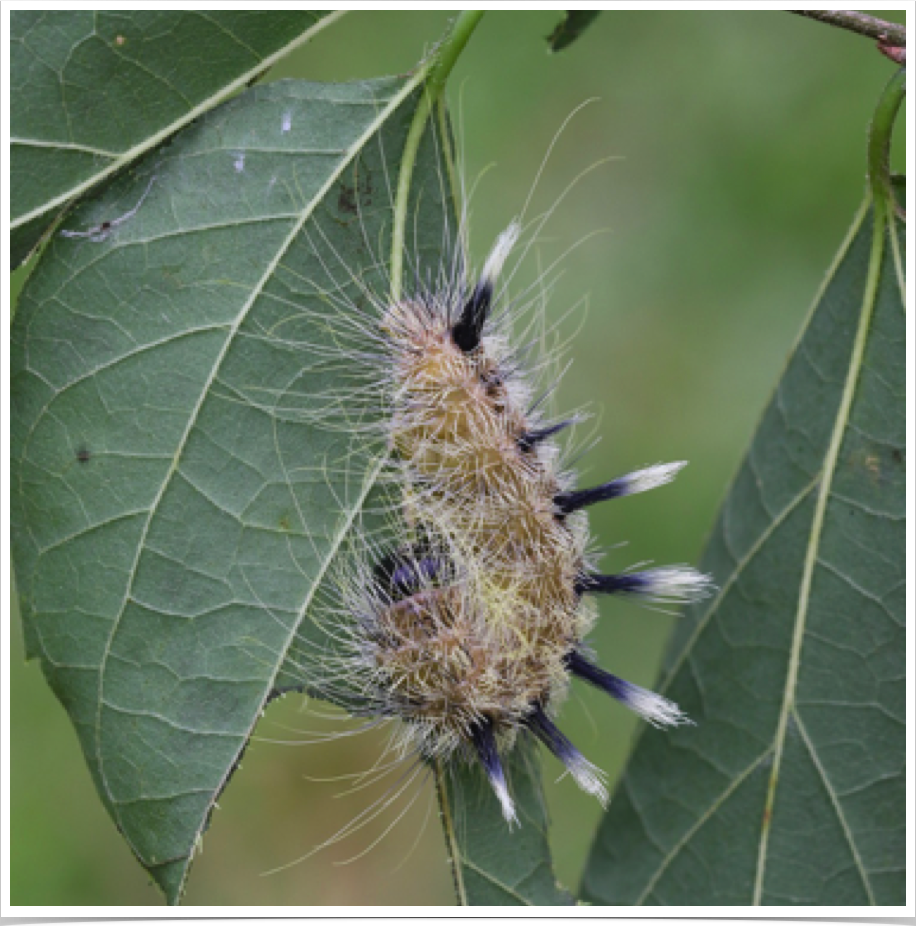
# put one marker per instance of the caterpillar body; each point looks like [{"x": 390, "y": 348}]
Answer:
[{"x": 469, "y": 626}]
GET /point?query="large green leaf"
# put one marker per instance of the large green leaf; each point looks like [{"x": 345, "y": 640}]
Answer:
[
  {"x": 179, "y": 510},
  {"x": 174, "y": 516},
  {"x": 92, "y": 91},
  {"x": 790, "y": 789}
]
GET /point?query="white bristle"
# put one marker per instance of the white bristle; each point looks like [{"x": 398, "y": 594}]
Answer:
[
  {"x": 675, "y": 585},
  {"x": 505, "y": 800},
  {"x": 501, "y": 250},
  {"x": 588, "y": 777},
  {"x": 652, "y": 707},
  {"x": 644, "y": 480}
]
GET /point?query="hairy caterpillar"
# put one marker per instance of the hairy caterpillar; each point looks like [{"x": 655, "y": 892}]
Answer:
[
  {"x": 467, "y": 623},
  {"x": 459, "y": 605}
]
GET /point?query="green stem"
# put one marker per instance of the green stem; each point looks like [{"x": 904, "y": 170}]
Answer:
[
  {"x": 438, "y": 69},
  {"x": 450, "y": 49},
  {"x": 884, "y": 203},
  {"x": 879, "y": 145},
  {"x": 448, "y": 827}
]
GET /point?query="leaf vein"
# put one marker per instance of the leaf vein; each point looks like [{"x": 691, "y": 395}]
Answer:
[
  {"x": 822, "y": 772},
  {"x": 742, "y": 564},
  {"x": 700, "y": 821}
]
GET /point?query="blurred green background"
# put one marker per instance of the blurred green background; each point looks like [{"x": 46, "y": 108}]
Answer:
[{"x": 738, "y": 141}]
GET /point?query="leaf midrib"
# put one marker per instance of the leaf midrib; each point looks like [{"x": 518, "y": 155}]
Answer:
[{"x": 869, "y": 299}]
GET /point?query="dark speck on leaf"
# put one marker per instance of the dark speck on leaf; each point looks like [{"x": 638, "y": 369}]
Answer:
[
  {"x": 351, "y": 197},
  {"x": 83, "y": 455},
  {"x": 346, "y": 202}
]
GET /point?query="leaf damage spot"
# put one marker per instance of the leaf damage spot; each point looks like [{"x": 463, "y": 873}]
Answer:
[
  {"x": 877, "y": 464},
  {"x": 352, "y": 198},
  {"x": 100, "y": 232}
]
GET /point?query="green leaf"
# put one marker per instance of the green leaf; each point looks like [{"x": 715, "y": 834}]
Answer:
[
  {"x": 93, "y": 91},
  {"x": 178, "y": 511},
  {"x": 175, "y": 516},
  {"x": 493, "y": 865},
  {"x": 570, "y": 27},
  {"x": 790, "y": 789}
]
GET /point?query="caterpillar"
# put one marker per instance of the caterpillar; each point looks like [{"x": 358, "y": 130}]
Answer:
[{"x": 468, "y": 626}]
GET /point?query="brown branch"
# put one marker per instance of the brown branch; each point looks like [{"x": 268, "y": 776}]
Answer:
[{"x": 887, "y": 33}]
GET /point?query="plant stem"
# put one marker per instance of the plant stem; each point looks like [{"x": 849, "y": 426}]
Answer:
[
  {"x": 871, "y": 26},
  {"x": 450, "y": 49},
  {"x": 448, "y": 827},
  {"x": 879, "y": 145},
  {"x": 438, "y": 69}
]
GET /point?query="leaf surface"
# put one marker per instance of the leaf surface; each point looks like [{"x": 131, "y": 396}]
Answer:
[
  {"x": 93, "y": 91},
  {"x": 492, "y": 864},
  {"x": 790, "y": 789},
  {"x": 182, "y": 507},
  {"x": 176, "y": 516}
]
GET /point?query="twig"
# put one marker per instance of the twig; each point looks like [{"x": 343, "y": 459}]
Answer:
[{"x": 887, "y": 33}]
